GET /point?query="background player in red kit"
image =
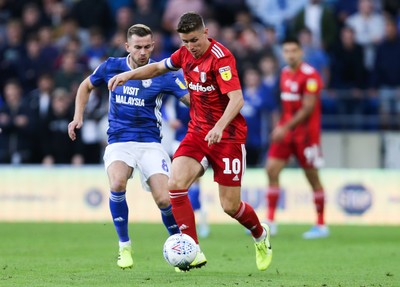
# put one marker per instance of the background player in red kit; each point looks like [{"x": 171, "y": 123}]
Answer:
[
  {"x": 297, "y": 133},
  {"x": 216, "y": 131}
]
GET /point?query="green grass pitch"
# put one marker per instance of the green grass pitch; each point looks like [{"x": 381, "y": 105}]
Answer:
[{"x": 44, "y": 254}]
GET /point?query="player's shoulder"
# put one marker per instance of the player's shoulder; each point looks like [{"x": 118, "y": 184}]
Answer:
[
  {"x": 116, "y": 64},
  {"x": 219, "y": 51},
  {"x": 307, "y": 69}
]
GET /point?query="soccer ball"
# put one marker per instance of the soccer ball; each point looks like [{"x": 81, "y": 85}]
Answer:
[{"x": 180, "y": 250}]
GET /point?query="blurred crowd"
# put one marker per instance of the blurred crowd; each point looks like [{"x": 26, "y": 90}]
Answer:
[{"x": 47, "y": 47}]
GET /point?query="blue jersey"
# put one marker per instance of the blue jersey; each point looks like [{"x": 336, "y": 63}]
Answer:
[{"x": 134, "y": 112}]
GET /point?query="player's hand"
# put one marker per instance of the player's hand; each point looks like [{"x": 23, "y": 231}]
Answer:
[
  {"x": 278, "y": 134},
  {"x": 214, "y": 136},
  {"x": 75, "y": 124},
  {"x": 118, "y": 80}
]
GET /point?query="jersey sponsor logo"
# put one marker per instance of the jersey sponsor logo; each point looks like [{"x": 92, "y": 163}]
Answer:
[
  {"x": 147, "y": 83},
  {"x": 203, "y": 77},
  {"x": 290, "y": 97},
  {"x": 180, "y": 84},
  {"x": 236, "y": 178},
  {"x": 132, "y": 91},
  {"x": 225, "y": 73},
  {"x": 196, "y": 69},
  {"x": 125, "y": 100},
  {"x": 199, "y": 88},
  {"x": 312, "y": 85}
]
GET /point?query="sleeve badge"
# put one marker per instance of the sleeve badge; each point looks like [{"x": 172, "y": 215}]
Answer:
[
  {"x": 180, "y": 84},
  {"x": 225, "y": 73},
  {"x": 312, "y": 85}
]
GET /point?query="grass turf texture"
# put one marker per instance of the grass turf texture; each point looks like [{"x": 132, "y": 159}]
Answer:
[{"x": 85, "y": 255}]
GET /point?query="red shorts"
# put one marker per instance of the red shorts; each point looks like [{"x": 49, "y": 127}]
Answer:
[
  {"x": 308, "y": 153},
  {"x": 228, "y": 160}
]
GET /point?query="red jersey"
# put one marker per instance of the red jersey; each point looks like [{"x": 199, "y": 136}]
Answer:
[
  {"x": 209, "y": 79},
  {"x": 295, "y": 85}
]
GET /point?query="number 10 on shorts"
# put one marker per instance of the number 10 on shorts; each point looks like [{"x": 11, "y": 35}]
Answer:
[{"x": 234, "y": 167}]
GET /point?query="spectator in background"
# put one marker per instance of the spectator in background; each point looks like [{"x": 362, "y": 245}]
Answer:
[
  {"x": 12, "y": 50},
  {"x": 68, "y": 76},
  {"x": 96, "y": 52},
  {"x": 54, "y": 11},
  {"x": 116, "y": 4},
  {"x": 348, "y": 78},
  {"x": 39, "y": 103},
  {"x": 255, "y": 110},
  {"x": 147, "y": 13},
  {"x": 16, "y": 124},
  {"x": 270, "y": 80},
  {"x": 314, "y": 55},
  {"x": 272, "y": 45},
  {"x": 116, "y": 46},
  {"x": 49, "y": 52},
  {"x": 225, "y": 11},
  {"x": 276, "y": 13},
  {"x": 369, "y": 28},
  {"x": 173, "y": 10},
  {"x": 251, "y": 50},
  {"x": 32, "y": 19},
  {"x": 343, "y": 9},
  {"x": 124, "y": 19},
  {"x": 57, "y": 148},
  {"x": 92, "y": 13},
  {"x": 387, "y": 75},
  {"x": 69, "y": 30},
  {"x": 320, "y": 20},
  {"x": 30, "y": 65}
]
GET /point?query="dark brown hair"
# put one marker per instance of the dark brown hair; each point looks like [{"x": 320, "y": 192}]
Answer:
[{"x": 190, "y": 22}]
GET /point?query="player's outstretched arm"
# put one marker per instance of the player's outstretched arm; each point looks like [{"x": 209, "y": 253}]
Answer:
[
  {"x": 236, "y": 102},
  {"x": 142, "y": 73},
  {"x": 81, "y": 100}
]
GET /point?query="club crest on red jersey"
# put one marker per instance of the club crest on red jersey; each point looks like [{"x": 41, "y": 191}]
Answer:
[
  {"x": 203, "y": 77},
  {"x": 225, "y": 73}
]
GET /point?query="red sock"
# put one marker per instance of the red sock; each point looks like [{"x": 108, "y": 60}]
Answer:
[
  {"x": 248, "y": 218},
  {"x": 183, "y": 212},
  {"x": 272, "y": 198},
  {"x": 319, "y": 200}
]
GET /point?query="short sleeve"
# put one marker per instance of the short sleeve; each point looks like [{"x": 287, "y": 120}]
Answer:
[
  {"x": 173, "y": 63},
  {"x": 175, "y": 84},
  {"x": 313, "y": 85},
  {"x": 98, "y": 76},
  {"x": 226, "y": 74}
]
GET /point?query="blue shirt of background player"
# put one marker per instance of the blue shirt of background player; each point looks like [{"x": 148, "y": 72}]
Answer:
[{"x": 134, "y": 111}]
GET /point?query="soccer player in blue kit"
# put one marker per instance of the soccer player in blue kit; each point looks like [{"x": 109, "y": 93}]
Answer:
[{"x": 134, "y": 132}]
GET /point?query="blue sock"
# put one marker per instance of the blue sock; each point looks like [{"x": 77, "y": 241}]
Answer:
[
  {"x": 194, "y": 196},
  {"x": 119, "y": 212},
  {"x": 169, "y": 220}
]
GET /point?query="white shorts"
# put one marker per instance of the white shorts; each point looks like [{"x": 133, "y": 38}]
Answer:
[{"x": 148, "y": 158}]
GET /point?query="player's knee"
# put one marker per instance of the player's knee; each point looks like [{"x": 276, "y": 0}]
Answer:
[
  {"x": 118, "y": 184},
  {"x": 162, "y": 202},
  {"x": 176, "y": 184},
  {"x": 272, "y": 173},
  {"x": 230, "y": 208}
]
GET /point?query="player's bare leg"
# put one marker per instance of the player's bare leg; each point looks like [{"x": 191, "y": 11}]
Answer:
[
  {"x": 184, "y": 171},
  {"x": 319, "y": 230},
  {"x": 274, "y": 167},
  {"x": 241, "y": 211},
  {"x": 118, "y": 175}
]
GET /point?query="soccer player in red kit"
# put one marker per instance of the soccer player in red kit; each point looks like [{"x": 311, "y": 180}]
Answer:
[
  {"x": 297, "y": 133},
  {"x": 217, "y": 131}
]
